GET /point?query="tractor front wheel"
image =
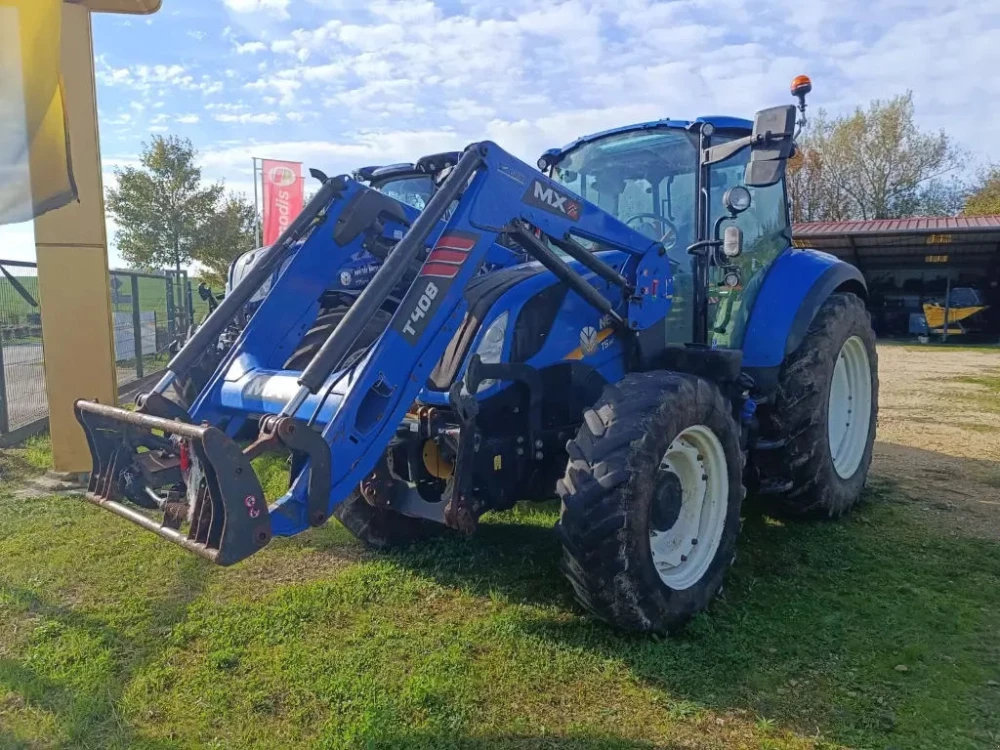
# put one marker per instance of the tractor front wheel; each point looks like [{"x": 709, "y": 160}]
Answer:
[
  {"x": 651, "y": 501},
  {"x": 824, "y": 413}
]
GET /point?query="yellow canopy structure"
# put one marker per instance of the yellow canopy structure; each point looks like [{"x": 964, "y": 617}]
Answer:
[
  {"x": 36, "y": 171},
  {"x": 50, "y": 170},
  {"x": 36, "y": 174}
]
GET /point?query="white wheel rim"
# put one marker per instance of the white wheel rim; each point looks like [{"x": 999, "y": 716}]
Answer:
[
  {"x": 850, "y": 407},
  {"x": 694, "y": 467}
]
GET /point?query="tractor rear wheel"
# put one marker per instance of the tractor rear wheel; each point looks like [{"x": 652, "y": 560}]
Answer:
[
  {"x": 651, "y": 500},
  {"x": 824, "y": 412},
  {"x": 379, "y": 528},
  {"x": 327, "y": 320}
]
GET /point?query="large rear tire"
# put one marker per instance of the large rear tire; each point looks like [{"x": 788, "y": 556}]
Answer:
[
  {"x": 651, "y": 501},
  {"x": 825, "y": 411},
  {"x": 378, "y": 528}
]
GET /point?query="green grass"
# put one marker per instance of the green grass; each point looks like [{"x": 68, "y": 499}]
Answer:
[
  {"x": 152, "y": 297},
  {"x": 936, "y": 345},
  {"x": 113, "y": 638},
  {"x": 987, "y": 396}
]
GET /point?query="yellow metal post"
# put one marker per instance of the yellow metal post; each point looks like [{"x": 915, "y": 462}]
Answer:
[
  {"x": 72, "y": 249},
  {"x": 71, "y": 246}
]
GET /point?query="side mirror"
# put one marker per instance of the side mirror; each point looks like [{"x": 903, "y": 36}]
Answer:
[{"x": 770, "y": 145}]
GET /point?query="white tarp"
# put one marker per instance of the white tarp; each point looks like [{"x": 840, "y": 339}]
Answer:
[{"x": 125, "y": 335}]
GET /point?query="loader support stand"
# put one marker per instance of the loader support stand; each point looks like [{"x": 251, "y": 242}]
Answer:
[
  {"x": 304, "y": 442},
  {"x": 460, "y": 511}
]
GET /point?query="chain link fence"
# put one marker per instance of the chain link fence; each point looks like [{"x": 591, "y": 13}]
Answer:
[{"x": 150, "y": 311}]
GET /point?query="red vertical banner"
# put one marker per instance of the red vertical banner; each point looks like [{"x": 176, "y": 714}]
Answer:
[{"x": 283, "y": 196}]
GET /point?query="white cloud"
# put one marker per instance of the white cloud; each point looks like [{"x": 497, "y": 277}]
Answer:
[
  {"x": 250, "y": 48},
  {"x": 263, "y": 118},
  {"x": 284, "y": 86},
  {"x": 144, "y": 77},
  {"x": 278, "y": 8},
  {"x": 17, "y": 241},
  {"x": 122, "y": 119},
  {"x": 338, "y": 157},
  {"x": 190, "y": 119},
  {"x": 197, "y": 35},
  {"x": 533, "y": 76},
  {"x": 210, "y": 87}
]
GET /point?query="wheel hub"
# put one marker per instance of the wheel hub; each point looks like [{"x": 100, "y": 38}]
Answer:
[
  {"x": 849, "y": 409},
  {"x": 688, "y": 513}
]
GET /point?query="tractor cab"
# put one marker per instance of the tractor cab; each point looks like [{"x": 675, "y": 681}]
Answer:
[
  {"x": 678, "y": 183},
  {"x": 403, "y": 182},
  {"x": 408, "y": 183}
]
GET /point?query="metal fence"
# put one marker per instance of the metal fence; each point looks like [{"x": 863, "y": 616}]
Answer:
[{"x": 149, "y": 312}]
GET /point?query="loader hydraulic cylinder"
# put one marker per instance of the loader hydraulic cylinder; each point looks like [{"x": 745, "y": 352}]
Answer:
[
  {"x": 208, "y": 332},
  {"x": 385, "y": 280}
]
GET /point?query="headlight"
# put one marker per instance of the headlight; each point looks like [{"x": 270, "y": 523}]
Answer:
[{"x": 490, "y": 348}]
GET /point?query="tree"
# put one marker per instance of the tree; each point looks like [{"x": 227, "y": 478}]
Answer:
[
  {"x": 161, "y": 208},
  {"x": 228, "y": 234},
  {"x": 984, "y": 200},
  {"x": 875, "y": 164}
]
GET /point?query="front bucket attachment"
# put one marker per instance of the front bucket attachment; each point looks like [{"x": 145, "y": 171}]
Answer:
[{"x": 198, "y": 479}]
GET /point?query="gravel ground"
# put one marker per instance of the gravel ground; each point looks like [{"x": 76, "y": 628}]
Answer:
[{"x": 938, "y": 437}]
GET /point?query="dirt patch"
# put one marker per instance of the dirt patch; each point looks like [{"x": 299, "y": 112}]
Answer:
[{"x": 939, "y": 437}]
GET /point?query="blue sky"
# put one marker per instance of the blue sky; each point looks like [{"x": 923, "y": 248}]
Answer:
[{"x": 340, "y": 83}]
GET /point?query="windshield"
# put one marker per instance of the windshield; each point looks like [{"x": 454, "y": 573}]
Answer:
[
  {"x": 647, "y": 179},
  {"x": 644, "y": 178},
  {"x": 413, "y": 191}
]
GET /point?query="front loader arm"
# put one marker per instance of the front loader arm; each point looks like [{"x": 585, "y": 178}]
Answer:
[
  {"x": 496, "y": 192},
  {"x": 337, "y": 421}
]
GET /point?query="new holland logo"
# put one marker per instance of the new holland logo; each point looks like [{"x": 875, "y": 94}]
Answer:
[
  {"x": 281, "y": 177},
  {"x": 588, "y": 340},
  {"x": 548, "y": 198}
]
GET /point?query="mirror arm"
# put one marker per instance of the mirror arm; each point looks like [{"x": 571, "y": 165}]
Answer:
[{"x": 723, "y": 151}]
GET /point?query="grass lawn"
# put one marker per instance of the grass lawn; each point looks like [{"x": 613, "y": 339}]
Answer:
[
  {"x": 878, "y": 631},
  {"x": 152, "y": 297}
]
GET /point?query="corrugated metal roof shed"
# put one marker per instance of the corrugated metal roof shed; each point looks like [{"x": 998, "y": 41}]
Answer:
[
  {"x": 956, "y": 240},
  {"x": 917, "y": 224}
]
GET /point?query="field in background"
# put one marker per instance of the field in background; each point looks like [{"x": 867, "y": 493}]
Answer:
[
  {"x": 23, "y": 401},
  {"x": 876, "y": 631},
  {"x": 14, "y": 309}
]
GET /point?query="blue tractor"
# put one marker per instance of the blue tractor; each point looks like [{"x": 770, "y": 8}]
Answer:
[{"x": 665, "y": 349}]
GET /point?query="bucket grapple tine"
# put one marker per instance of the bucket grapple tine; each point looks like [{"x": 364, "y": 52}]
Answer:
[{"x": 193, "y": 475}]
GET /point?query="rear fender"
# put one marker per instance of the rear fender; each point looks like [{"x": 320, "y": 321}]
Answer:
[{"x": 796, "y": 286}]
